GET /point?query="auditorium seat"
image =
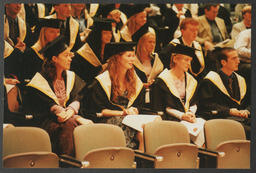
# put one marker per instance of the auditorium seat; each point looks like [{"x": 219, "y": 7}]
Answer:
[
  {"x": 28, "y": 147},
  {"x": 170, "y": 140},
  {"x": 228, "y": 136},
  {"x": 102, "y": 146}
]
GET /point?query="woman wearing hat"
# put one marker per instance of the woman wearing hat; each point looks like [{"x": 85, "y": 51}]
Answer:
[
  {"x": 174, "y": 90},
  {"x": 137, "y": 17},
  {"x": 55, "y": 95},
  {"x": 48, "y": 30},
  {"x": 89, "y": 59},
  {"x": 147, "y": 64},
  {"x": 118, "y": 91}
]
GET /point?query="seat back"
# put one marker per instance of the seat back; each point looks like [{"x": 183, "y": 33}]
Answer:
[
  {"x": 25, "y": 139},
  {"x": 160, "y": 133},
  {"x": 237, "y": 155},
  {"x": 180, "y": 156},
  {"x": 31, "y": 160},
  {"x": 221, "y": 130},
  {"x": 110, "y": 157},
  {"x": 94, "y": 136},
  {"x": 28, "y": 147}
]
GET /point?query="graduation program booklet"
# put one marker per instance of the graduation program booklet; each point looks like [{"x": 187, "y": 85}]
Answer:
[
  {"x": 194, "y": 128},
  {"x": 136, "y": 121}
]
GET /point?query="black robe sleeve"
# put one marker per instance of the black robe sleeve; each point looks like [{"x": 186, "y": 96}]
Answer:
[
  {"x": 208, "y": 101},
  {"x": 13, "y": 64}
]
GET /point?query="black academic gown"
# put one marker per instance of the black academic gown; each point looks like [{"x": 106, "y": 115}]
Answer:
[
  {"x": 86, "y": 64},
  {"x": 157, "y": 68},
  {"x": 13, "y": 61},
  {"x": 33, "y": 61},
  {"x": 166, "y": 95},
  {"x": 25, "y": 33},
  {"x": 213, "y": 96},
  {"x": 101, "y": 99},
  {"x": 42, "y": 97},
  {"x": 215, "y": 101}
]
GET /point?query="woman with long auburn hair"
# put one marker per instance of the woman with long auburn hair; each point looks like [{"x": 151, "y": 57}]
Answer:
[{"x": 118, "y": 91}]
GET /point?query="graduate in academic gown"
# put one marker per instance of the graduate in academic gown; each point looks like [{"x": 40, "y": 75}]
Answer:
[
  {"x": 136, "y": 18},
  {"x": 174, "y": 90},
  {"x": 16, "y": 30},
  {"x": 55, "y": 95},
  {"x": 112, "y": 11},
  {"x": 89, "y": 60},
  {"x": 48, "y": 30},
  {"x": 223, "y": 94},
  {"x": 71, "y": 26},
  {"x": 147, "y": 64},
  {"x": 118, "y": 91}
]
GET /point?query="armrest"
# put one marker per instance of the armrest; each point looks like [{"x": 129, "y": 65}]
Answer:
[
  {"x": 147, "y": 156},
  {"x": 69, "y": 161},
  {"x": 210, "y": 152}
]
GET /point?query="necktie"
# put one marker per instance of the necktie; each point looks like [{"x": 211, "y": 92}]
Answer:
[{"x": 230, "y": 81}]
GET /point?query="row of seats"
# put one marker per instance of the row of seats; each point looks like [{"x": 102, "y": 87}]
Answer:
[{"x": 167, "y": 143}]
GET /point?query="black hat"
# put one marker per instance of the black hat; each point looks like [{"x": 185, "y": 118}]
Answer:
[
  {"x": 54, "y": 48},
  {"x": 176, "y": 48},
  {"x": 52, "y": 23},
  {"x": 132, "y": 9},
  {"x": 106, "y": 9},
  {"x": 102, "y": 24},
  {"x": 140, "y": 32},
  {"x": 114, "y": 48}
]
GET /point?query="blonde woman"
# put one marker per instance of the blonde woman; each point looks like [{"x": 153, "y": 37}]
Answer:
[
  {"x": 174, "y": 90},
  {"x": 49, "y": 29},
  {"x": 137, "y": 17},
  {"x": 118, "y": 91}
]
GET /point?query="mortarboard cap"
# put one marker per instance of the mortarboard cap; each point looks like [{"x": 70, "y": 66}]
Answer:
[
  {"x": 54, "y": 48},
  {"x": 114, "y": 48},
  {"x": 103, "y": 24},
  {"x": 106, "y": 9},
  {"x": 140, "y": 32},
  {"x": 175, "y": 48},
  {"x": 52, "y": 23},
  {"x": 132, "y": 9}
]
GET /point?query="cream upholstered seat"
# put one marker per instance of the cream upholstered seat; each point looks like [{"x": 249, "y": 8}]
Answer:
[
  {"x": 102, "y": 146},
  {"x": 28, "y": 147},
  {"x": 228, "y": 136},
  {"x": 171, "y": 141}
]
